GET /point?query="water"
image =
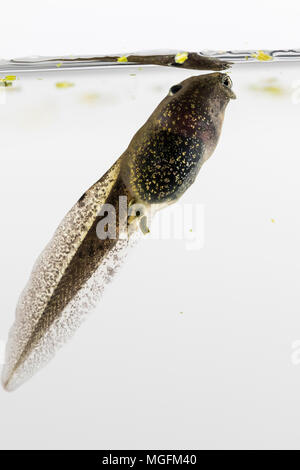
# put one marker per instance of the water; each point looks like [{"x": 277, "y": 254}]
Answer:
[{"x": 185, "y": 341}]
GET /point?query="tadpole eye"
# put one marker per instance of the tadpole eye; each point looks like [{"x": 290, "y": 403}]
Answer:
[
  {"x": 227, "y": 81},
  {"x": 174, "y": 89}
]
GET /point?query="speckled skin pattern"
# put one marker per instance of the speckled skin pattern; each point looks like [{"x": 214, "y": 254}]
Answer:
[
  {"x": 165, "y": 156},
  {"x": 194, "y": 61},
  {"x": 159, "y": 165}
]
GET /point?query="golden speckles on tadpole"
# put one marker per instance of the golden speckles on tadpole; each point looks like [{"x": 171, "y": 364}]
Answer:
[
  {"x": 81, "y": 199},
  {"x": 164, "y": 169},
  {"x": 180, "y": 135}
]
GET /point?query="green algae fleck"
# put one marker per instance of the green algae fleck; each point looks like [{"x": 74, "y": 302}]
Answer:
[
  {"x": 181, "y": 57},
  {"x": 261, "y": 56},
  {"x": 5, "y": 83},
  {"x": 122, "y": 59},
  {"x": 64, "y": 84},
  {"x": 90, "y": 97},
  {"x": 270, "y": 86}
]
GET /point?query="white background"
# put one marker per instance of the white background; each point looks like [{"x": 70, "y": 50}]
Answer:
[
  {"x": 95, "y": 26},
  {"x": 224, "y": 373}
]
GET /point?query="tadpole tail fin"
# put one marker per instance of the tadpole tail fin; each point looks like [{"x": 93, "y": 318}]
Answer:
[{"x": 65, "y": 284}]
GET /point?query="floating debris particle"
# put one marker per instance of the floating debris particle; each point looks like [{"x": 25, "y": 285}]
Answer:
[
  {"x": 122, "y": 59},
  {"x": 181, "y": 57},
  {"x": 132, "y": 74},
  {"x": 270, "y": 86},
  {"x": 59, "y": 64},
  {"x": 5, "y": 83},
  {"x": 181, "y": 313},
  {"x": 274, "y": 90},
  {"x": 90, "y": 97},
  {"x": 64, "y": 84},
  {"x": 191, "y": 229},
  {"x": 261, "y": 55}
]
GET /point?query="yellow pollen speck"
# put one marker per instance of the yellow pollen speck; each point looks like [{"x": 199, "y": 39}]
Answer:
[
  {"x": 10, "y": 77},
  {"x": 270, "y": 86},
  {"x": 59, "y": 64},
  {"x": 275, "y": 90},
  {"x": 181, "y": 57},
  {"x": 90, "y": 97},
  {"x": 122, "y": 59},
  {"x": 261, "y": 55},
  {"x": 5, "y": 82},
  {"x": 64, "y": 84},
  {"x": 273, "y": 221}
]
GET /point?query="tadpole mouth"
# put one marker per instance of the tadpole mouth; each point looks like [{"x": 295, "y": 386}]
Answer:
[{"x": 231, "y": 94}]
